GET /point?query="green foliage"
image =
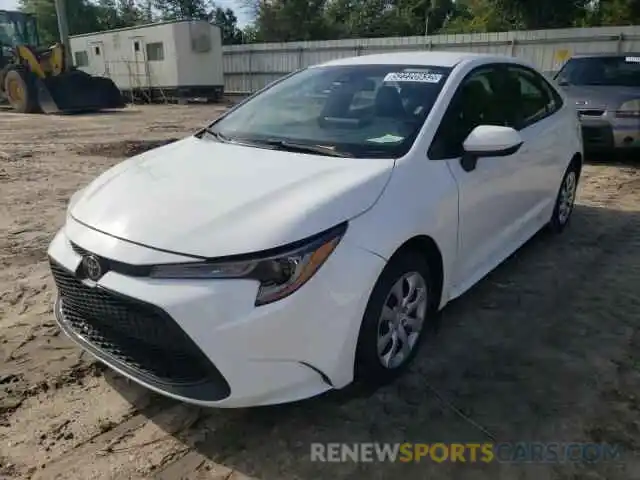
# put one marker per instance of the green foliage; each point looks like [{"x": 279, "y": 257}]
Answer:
[
  {"x": 83, "y": 17},
  {"x": 181, "y": 9},
  {"x": 291, "y": 20},
  {"x": 226, "y": 19}
]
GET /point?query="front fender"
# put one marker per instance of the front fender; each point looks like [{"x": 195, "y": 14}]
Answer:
[{"x": 421, "y": 199}]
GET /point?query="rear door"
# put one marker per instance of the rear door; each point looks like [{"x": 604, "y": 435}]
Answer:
[{"x": 532, "y": 109}]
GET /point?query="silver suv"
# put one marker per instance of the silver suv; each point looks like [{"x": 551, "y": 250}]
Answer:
[{"x": 606, "y": 92}]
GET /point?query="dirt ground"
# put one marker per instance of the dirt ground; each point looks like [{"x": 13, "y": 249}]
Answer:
[{"x": 547, "y": 348}]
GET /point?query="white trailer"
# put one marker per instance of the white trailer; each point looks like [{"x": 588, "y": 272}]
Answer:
[{"x": 158, "y": 61}]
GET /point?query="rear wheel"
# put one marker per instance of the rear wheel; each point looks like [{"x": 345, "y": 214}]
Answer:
[
  {"x": 19, "y": 92},
  {"x": 565, "y": 199}
]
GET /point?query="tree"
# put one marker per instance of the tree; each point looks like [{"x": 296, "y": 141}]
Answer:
[
  {"x": 129, "y": 13},
  {"x": 612, "y": 12},
  {"x": 82, "y": 17},
  {"x": 181, "y": 9},
  {"x": 289, "y": 20},
  {"x": 226, "y": 19},
  {"x": 478, "y": 16},
  {"x": 543, "y": 14}
]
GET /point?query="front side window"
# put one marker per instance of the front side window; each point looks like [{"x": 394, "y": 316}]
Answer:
[
  {"x": 478, "y": 101},
  {"x": 618, "y": 70},
  {"x": 353, "y": 110}
]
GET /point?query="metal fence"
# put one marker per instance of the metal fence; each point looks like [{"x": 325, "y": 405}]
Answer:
[{"x": 248, "y": 68}]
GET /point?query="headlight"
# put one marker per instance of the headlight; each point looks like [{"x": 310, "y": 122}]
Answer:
[
  {"x": 280, "y": 272},
  {"x": 629, "y": 109}
]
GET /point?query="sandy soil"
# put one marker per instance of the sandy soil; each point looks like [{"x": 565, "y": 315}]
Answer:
[{"x": 547, "y": 348}]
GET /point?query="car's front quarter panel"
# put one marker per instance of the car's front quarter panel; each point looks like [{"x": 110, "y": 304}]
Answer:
[{"x": 421, "y": 199}]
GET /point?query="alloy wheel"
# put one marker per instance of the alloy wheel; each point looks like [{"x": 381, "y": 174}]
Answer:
[{"x": 402, "y": 319}]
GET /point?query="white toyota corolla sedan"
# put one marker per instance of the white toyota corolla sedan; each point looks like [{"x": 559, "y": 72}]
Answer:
[{"x": 305, "y": 239}]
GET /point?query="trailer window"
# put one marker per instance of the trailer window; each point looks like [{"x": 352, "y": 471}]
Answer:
[
  {"x": 155, "y": 52},
  {"x": 82, "y": 59}
]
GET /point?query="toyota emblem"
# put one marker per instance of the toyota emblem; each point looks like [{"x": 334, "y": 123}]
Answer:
[{"x": 92, "y": 267}]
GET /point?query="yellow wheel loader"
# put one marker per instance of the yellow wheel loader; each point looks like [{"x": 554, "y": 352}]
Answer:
[{"x": 35, "y": 79}]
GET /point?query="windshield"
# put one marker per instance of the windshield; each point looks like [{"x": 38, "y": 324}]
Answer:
[
  {"x": 353, "y": 110},
  {"x": 614, "y": 70},
  {"x": 17, "y": 28}
]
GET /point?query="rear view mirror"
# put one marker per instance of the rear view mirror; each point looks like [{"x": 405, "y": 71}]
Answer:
[{"x": 489, "y": 141}]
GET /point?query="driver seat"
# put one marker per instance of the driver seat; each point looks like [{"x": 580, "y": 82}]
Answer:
[{"x": 388, "y": 103}]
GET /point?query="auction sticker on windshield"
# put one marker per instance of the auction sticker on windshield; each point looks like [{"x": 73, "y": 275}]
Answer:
[{"x": 421, "y": 77}]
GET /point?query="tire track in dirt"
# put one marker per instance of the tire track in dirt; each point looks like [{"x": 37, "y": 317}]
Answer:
[
  {"x": 103, "y": 443},
  {"x": 37, "y": 178}
]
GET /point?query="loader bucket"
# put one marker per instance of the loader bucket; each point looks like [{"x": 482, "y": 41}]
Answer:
[{"x": 77, "y": 91}]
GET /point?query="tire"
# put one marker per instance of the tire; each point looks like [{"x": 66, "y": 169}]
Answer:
[
  {"x": 370, "y": 368},
  {"x": 20, "y": 92},
  {"x": 565, "y": 199}
]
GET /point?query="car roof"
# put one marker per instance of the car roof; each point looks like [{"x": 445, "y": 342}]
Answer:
[{"x": 431, "y": 58}]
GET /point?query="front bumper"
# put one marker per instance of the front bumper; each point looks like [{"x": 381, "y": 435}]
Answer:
[
  {"x": 604, "y": 133},
  {"x": 225, "y": 351}
]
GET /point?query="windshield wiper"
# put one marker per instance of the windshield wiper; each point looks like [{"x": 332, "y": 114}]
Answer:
[
  {"x": 279, "y": 144},
  {"x": 302, "y": 147},
  {"x": 217, "y": 135}
]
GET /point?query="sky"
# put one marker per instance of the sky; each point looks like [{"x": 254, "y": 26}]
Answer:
[{"x": 236, "y": 5}]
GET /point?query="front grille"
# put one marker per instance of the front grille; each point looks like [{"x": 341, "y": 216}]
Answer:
[{"x": 136, "y": 334}]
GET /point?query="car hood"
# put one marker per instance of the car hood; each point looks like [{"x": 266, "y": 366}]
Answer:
[
  {"x": 600, "y": 96},
  {"x": 204, "y": 198}
]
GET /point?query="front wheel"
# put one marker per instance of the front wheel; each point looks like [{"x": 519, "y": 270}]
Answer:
[
  {"x": 565, "y": 200},
  {"x": 397, "y": 315}
]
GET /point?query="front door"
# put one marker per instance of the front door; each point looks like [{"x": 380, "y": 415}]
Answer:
[{"x": 490, "y": 197}]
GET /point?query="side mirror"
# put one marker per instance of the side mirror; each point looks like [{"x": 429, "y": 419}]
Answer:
[
  {"x": 489, "y": 141},
  {"x": 562, "y": 82}
]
